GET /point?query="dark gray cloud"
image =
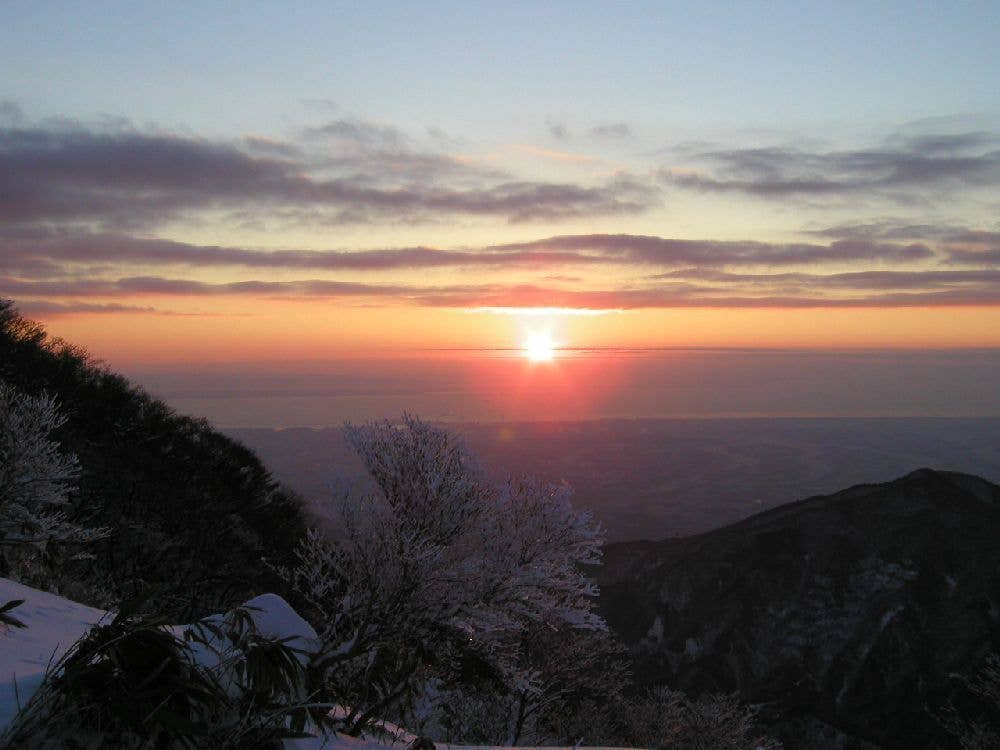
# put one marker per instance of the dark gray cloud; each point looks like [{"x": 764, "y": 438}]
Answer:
[
  {"x": 33, "y": 253},
  {"x": 680, "y": 295},
  {"x": 52, "y": 175},
  {"x": 945, "y": 143},
  {"x": 975, "y": 237},
  {"x": 38, "y": 252},
  {"x": 558, "y": 131},
  {"x": 899, "y": 169},
  {"x": 48, "y": 307},
  {"x": 851, "y": 280},
  {"x": 973, "y": 247},
  {"x": 272, "y": 147},
  {"x": 122, "y": 177},
  {"x": 374, "y": 153},
  {"x": 156, "y": 285},
  {"x": 662, "y": 250},
  {"x": 612, "y": 130},
  {"x": 986, "y": 257},
  {"x": 77, "y": 205},
  {"x": 362, "y": 132},
  {"x": 407, "y": 167},
  {"x": 685, "y": 288},
  {"x": 956, "y": 245},
  {"x": 562, "y": 277},
  {"x": 888, "y": 230}
]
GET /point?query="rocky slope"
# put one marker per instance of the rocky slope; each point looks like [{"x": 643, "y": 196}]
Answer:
[{"x": 847, "y": 617}]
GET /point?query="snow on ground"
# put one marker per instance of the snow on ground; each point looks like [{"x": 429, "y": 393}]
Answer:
[
  {"x": 272, "y": 617},
  {"x": 54, "y": 624}
]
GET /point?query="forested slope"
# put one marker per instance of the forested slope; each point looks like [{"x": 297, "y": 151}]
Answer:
[{"x": 195, "y": 517}]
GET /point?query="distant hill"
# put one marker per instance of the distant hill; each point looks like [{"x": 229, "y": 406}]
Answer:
[
  {"x": 846, "y": 615},
  {"x": 195, "y": 516}
]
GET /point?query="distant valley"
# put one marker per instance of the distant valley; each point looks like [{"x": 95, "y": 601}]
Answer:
[{"x": 657, "y": 478}]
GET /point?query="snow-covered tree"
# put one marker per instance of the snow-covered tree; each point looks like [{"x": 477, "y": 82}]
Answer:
[
  {"x": 438, "y": 569},
  {"x": 36, "y": 477}
]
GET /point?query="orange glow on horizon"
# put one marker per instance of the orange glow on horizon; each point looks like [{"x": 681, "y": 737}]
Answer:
[{"x": 222, "y": 330}]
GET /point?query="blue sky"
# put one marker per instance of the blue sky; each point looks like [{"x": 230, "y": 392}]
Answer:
[{"x": 487, "y": 69}]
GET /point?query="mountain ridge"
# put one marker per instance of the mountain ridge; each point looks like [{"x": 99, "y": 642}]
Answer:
[{"x": 844, "y": 616}]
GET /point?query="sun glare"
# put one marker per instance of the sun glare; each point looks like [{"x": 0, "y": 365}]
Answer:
[{"x": 539, "y": 347}]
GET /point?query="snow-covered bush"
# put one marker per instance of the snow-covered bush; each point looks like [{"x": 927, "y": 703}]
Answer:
[
  {"x": 438, "y": 571},
  {"x": 36, "y": 478}
]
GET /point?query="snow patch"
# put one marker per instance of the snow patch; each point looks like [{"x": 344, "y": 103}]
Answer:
[{"x": 54, "y": 624}]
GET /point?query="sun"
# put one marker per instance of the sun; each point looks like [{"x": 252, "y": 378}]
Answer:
[{"x": 538, "y": 347}]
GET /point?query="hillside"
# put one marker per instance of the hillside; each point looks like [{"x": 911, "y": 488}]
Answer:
[
  {"x": 195, "y": 516},
  {"x": 845, "y": 616}
]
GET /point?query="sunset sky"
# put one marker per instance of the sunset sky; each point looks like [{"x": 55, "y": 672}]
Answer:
[{"x": 262, "y": 182}]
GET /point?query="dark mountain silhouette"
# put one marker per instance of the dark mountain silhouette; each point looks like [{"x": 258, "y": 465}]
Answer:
[{"x": 846, "y": 617}]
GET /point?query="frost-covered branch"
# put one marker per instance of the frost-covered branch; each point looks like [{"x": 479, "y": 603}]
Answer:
[
  {"x": 439, "y": 567},
  {"x": 36, "y": 476}
]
